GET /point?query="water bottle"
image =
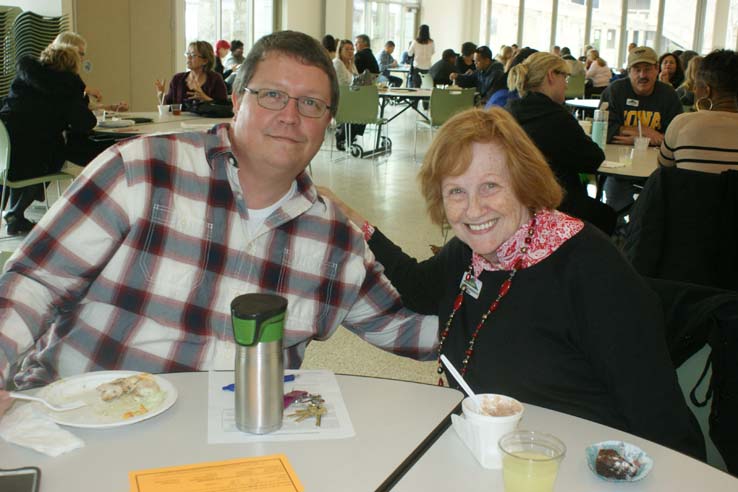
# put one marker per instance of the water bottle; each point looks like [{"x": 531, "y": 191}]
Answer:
[
  {"x": 599, "y": 127},
  {"x": 258, "y": 328}
]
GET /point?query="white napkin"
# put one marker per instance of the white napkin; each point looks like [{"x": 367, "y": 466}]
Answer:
[
  {"x": 612, "y": 164},
  {"x": 26, "y": 426}
]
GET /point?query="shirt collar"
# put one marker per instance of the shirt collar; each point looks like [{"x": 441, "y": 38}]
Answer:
[{"x": 552, "y": 229}]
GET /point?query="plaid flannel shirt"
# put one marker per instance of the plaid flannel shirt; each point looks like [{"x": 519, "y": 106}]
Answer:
[{"x": 136, "y": 265}]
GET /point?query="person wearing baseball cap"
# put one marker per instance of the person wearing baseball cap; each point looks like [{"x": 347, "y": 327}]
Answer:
[{"x": 640, "y": 97}]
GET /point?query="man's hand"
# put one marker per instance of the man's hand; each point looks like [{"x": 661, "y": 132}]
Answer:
[
  {"x": 453, "y": 76},
  {"x": 628, "y": 133},
  {"x": 5, "y": 402}
]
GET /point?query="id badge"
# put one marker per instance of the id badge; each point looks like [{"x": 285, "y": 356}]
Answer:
[{"x": 473, "y": 285}]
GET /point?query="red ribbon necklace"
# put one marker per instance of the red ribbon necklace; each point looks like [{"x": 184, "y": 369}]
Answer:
[{"x": 504, "y": 289}]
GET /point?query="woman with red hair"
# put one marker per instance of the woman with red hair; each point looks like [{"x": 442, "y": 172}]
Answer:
[{"x": 222, "y": 47}]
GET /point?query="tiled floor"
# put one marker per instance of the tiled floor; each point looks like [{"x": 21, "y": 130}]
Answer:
[{"x": 385, "y": 191}]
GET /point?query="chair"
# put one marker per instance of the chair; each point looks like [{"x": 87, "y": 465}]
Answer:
[
  {"x": 684, "y": 227},
  {"x": 444, "y": 103},
  {"x": 702, "y": 337},
  {"x": 360, "y": 105},
  {"x": 23, "y": 183},
  {"x": 426, "y": 81},
  {"x": 575, "y": 86}
]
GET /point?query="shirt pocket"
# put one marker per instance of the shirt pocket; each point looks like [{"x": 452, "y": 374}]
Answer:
[
  {"x": 308, "y": 283},
  {"x": 176, "y": 248}
]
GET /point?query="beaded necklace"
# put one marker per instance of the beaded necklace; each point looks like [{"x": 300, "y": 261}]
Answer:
[{"x": 504, "y": 289}]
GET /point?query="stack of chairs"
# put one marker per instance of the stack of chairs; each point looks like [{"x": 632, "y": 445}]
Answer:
[
  {"x": 7, "y": 48},
  {"x": 33, "y": 32}
]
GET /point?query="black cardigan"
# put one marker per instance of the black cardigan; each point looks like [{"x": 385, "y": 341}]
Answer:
[
  {"x": 41, "y": 105},
  {"x": 580, "y": 333}
]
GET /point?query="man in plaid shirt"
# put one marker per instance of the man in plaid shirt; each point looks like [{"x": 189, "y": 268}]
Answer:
[{"x": 135, "y": 267}]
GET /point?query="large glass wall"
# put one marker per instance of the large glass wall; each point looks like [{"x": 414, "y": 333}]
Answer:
[
  {"x": 211, "y": 20},
  {"x": 503, "y": 24},
  {"x": 383, "y": 21},
  {"x": 678, "y": 32},
  {"x": 731, "y": 35},
  {"x": 605, "y": 33},
  {"x": 537, "y": 23},
  {"x": 570, "y": 25}
]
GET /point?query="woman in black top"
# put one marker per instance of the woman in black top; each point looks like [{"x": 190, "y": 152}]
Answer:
[
  {"x": 541, "y": 83},
  {"x": 46, "y": 101}
]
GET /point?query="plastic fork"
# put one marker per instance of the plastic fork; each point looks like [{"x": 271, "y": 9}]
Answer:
[{"x": 57, "y": 408}]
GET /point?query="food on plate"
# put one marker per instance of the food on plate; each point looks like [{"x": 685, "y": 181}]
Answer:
[
  {"x": 611, "y": 464},
  {"x": 130, "y": 396}
]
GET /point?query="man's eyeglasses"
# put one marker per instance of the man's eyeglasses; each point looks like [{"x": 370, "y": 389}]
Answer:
[
  {"x": 193, "y": 55},
  {"x": 275, "y": 100}
]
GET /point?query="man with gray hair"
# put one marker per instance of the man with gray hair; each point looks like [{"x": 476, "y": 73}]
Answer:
[{"x": 136, "y": 266}]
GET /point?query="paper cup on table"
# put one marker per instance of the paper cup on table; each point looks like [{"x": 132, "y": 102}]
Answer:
[
  {"x": 480, "y": 432},
  {"x": 163, "y": 109},
  {"x": 530, "y": 460},
  {"x": 641, "y": 143}
]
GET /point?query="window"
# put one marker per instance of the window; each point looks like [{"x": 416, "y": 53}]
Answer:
[
  {"x": 678, "y": 25},
  {"x": 731, "y": 35},
  {"x": 537, "y": 24},
  {"x": 386, "y": 21},
  {"x": 641, "y": 22},
  {"x": 211, "y": 20},
  {"x": 570, "y": 26},
  {"x": 504, "y": 24},
  {"x": 606, "y": 20}
]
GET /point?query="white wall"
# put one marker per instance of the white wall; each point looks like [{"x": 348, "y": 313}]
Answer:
[
  {"x": 451, "y": 25},
  {"x": 304, "y": 16},
  {"x": 51, "y": 8},
  {"x": 338, "y": 18}
]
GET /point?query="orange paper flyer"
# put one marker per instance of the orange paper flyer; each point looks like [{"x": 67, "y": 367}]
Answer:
[{"x": 260, "y": 474}]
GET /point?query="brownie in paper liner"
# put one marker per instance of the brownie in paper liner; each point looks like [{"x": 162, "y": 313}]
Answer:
[{"x": 629, "y": 465}]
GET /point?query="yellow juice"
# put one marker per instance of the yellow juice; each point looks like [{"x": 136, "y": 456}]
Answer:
[{"x": 523, "y": 473}]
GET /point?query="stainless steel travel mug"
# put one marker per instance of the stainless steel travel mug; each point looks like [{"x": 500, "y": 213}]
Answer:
[{"x": 258, "y": 329}]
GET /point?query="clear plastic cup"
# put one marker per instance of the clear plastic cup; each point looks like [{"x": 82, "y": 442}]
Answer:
[
  {"x": 176, "y": 109},
  {"x": 163, "y": 110},
  {"x": 641, "y": 143},
  {"x": 530, "y": 460}
]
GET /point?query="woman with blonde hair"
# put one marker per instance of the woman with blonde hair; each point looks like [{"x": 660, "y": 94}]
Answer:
[
  {"x": 530, "y": 300},
  {"x": 345, "y": 71},
  {"x": 505, "y": 54},
  {"x": 598, "y": 74},
  {"x": 686, "y": 90},
  {"x": 69, "y": 38},
  {"x": 541, "y": 83},
  {"x": 45, "y": 102}
]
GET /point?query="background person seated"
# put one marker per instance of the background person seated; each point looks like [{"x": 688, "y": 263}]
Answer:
[
  {"x": 46, "y": 100},
  {"x": 465, "y": 62},
  {"x": 670, "y": 70},
  {"x": 705, "y": 140},
  {"x": 387, "y": 61},
  {"x": 541, "y": 82},
  {"x": 598, "y": 74},
  {"x": 443, "y": 68},
  {"x": 483, "y": 78},
  {"x": 221, "y": 50},
  {"x": 200, "y": 83}
]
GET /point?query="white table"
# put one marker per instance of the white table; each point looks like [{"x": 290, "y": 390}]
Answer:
[
  {"x": 406, "y": 97},
  {"x": 168, "y": 123},
  {"x": 643, "y": 165},
  {"x": 448, "y": 464},
  {"x": 583, "y": 103},
  {"x": 392, "y": 420}
]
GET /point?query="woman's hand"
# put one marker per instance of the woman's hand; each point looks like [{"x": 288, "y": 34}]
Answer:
[
  {"x": 664, "y": 76},
  {"x": 159, "y": 84},
  {"x": 352, "y": 214},
  {"x": 121, "y": 106},
  {"x": 197, "y": 93},
  {"x": 94, "y": 93}
]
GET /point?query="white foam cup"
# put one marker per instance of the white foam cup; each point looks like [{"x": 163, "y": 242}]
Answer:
[{"x": 481, "y": 432}]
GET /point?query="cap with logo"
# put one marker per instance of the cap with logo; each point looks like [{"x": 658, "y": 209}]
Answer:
[{"x": 642, "y": 54}]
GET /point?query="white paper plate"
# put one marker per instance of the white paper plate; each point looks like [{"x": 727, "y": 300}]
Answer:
[
  {"x": 98, "y": 414},
  {"x": 116, "y": 123}
]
